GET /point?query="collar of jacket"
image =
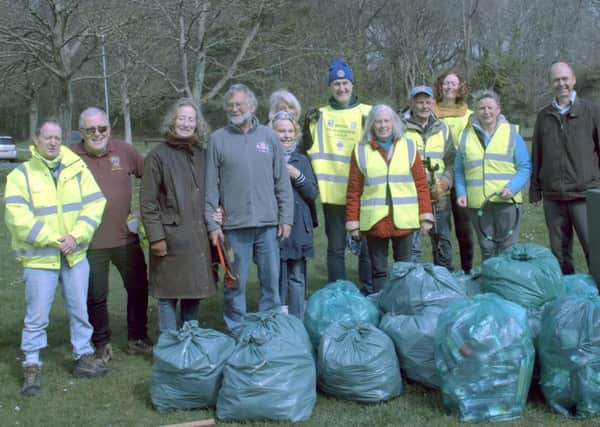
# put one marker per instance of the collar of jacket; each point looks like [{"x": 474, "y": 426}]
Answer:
[
  {"x": 238, "y": 129},
  {"x": 574, "y": 111},
  {"x": 433, "y": 124},
  {"x": 337, "y": 106}
]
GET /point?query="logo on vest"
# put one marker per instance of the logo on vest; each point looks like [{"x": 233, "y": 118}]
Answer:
[
  {"x": 115, "y": 161},
  {"x": 262, "y": 147},
  {"x": 339, "y": 145},
  {"x": 353, "y": 125},
  {"x": 330, "y": 123}
]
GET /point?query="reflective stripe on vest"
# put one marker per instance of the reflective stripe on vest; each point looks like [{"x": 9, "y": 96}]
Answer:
[
  {"x": 488, "y": 171},
  {"x": 432, "y": 148},
  {"x": 381, "y": 177},
  {"x": 335, "y": 134}
]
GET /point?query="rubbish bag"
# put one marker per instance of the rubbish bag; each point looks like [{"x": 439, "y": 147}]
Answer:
[
  {"x": 412, "y": 287},
  {"x": 580, "y": 284},
  {"x": 569, "y": 345},
  {"x": 471, "y": 282},
  {"x": 358, "y": 362},
  {"x": 337, "y": 301},
  {"x": 484, "y": 356},
  {"x": 188, "y": 367},
  {"x": 414, "y": 340},
  {"x": 525, "y": 273},
  {"x": 271, "y": 374}
]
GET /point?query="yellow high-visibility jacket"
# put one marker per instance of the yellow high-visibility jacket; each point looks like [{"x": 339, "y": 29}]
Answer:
[
  {"x": 379, "y": 176},
  {"x": 335, "y": 134},
  {"x": 40, "y": 210},
  {"x": 488, "y": 170}
]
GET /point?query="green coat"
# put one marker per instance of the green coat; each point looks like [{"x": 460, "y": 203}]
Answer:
[{"x": 172, "y": 208}]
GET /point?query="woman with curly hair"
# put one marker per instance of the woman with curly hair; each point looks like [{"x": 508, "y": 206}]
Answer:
[{"x": 451, "y": 91}]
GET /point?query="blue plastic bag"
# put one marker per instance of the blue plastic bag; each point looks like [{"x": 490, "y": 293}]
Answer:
[
  {"x": 412, "y": 288},
  {"x": 271, "y": 375},
  {"x": 358, "y": 362},
  {"x": 484, "y": 356},
  {"x": 580, "y": 284},
  {"x": 569, "y": 344},
  {"x": 525, "y": 273},
  {"x": 337, "y": 301},
  {"x": 188, "y": 367}
]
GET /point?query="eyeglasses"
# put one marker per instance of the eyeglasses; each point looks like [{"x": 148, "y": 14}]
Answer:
[
  {"x": 92, "y": 131},
  {"x": 283, "y": 115}
]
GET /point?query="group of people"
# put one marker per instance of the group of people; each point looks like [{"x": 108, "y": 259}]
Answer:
[{"x": 381, "y": 174}]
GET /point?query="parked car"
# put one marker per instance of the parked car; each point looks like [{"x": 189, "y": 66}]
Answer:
[{"x": 8, "y": 149}]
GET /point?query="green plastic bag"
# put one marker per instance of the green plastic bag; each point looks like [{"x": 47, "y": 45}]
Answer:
[
  {"x": 411, "y": 288},
  {"x": 188, "y": 367},
  {"x": 471, "y": 282},
  {"x": 337, "y": 301},
  {"x": 484, "y": 356},
  {"x": 580, "y": 284},
  {"x": 569, "y": 344},
  {"x": 271, "y": 375},
  {"x": 358, "y": 362},
  {"x": 526, "y": 273},
  {"x": 414, "y": 340}
]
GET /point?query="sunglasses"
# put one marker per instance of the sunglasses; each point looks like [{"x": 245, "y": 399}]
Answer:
[{"x": 92, "y": 131}]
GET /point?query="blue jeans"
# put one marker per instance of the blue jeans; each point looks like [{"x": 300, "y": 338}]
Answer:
[
  {"x": 292, "y": 285},
  {"x": 40, "y": 288},
  {"x": 442, "y": 246},
  {"x": 167, "y": 312},
  {"x": 335, "y": 230},
  {"x": 260, "y": 244}
]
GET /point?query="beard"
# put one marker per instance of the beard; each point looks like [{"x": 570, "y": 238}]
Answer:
[{"x": 239, "y": 120}]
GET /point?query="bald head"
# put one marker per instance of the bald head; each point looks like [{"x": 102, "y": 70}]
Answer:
[{"x": 560, "y": 67}]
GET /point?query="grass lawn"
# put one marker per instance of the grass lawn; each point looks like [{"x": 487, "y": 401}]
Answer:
[{"x": 122, "y": 398}]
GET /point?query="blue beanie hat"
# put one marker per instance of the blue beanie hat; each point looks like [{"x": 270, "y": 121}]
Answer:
[{"x": 340, "y": 70}]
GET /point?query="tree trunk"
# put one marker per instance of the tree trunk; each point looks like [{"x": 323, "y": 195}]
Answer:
[
  {"x": 33, "y": 116},
  {"x": 65, "y": 108},
  {"x": 125, "y": 107}
]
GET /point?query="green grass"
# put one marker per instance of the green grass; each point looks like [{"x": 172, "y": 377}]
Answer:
[{"x": 122, "y": 398}]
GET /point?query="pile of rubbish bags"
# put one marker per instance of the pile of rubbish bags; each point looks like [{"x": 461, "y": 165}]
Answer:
[
  {"x": 569, "y": 346},
  {"x": 412, "y": 300},
  {"x": 337, "y": 301},
  {"x": 358, "y": 362},
  {"x": 484, "y": 355}
]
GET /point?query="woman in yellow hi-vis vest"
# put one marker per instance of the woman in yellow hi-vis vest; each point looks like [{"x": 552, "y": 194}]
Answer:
[
  {"x": 451, "y": 91},
  {"x": 388, "y": 195},
  {"x": 491, "y": 161}
]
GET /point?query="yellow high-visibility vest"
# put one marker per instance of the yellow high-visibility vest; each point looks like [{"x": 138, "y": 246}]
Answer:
[
  {"x": 335, "y": 134},
  {"x": 433, "y": 148},
  {"x": 396, "y": 176},
  {"x": 488, "y": 171},
  {"x": 456, "y": 126},
  {"x": 39, "y": 210}
]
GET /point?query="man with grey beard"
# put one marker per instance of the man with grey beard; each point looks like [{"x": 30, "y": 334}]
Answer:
[{"x": 247, "y": 175}]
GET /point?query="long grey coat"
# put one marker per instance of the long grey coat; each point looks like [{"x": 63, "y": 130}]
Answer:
[{"x": 172, "y": 208}]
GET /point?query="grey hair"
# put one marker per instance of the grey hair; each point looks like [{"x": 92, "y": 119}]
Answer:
[
  {"x": 397, "y": 126},
  {"x": 42, "y": 123},
  {"x": 283, "y": 95},
  {"x": 240, "y": 87},
  {"x": 166, "y": 128},
  {"x": 486, "y": 93},
  {"x": 91, "y": 111}
]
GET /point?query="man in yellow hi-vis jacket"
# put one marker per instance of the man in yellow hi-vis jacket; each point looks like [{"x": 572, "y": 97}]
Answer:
[{"x": 53, "y": 207}]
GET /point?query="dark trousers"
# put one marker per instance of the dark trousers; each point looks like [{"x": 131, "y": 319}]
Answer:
[
  {"x": 129, "y": 261},
  {"x": 335, "y": 230},
  {"x": 464, "y": 234},
  {"x": 562, "y": 216},
  {"x": 378, "y": 251}
]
